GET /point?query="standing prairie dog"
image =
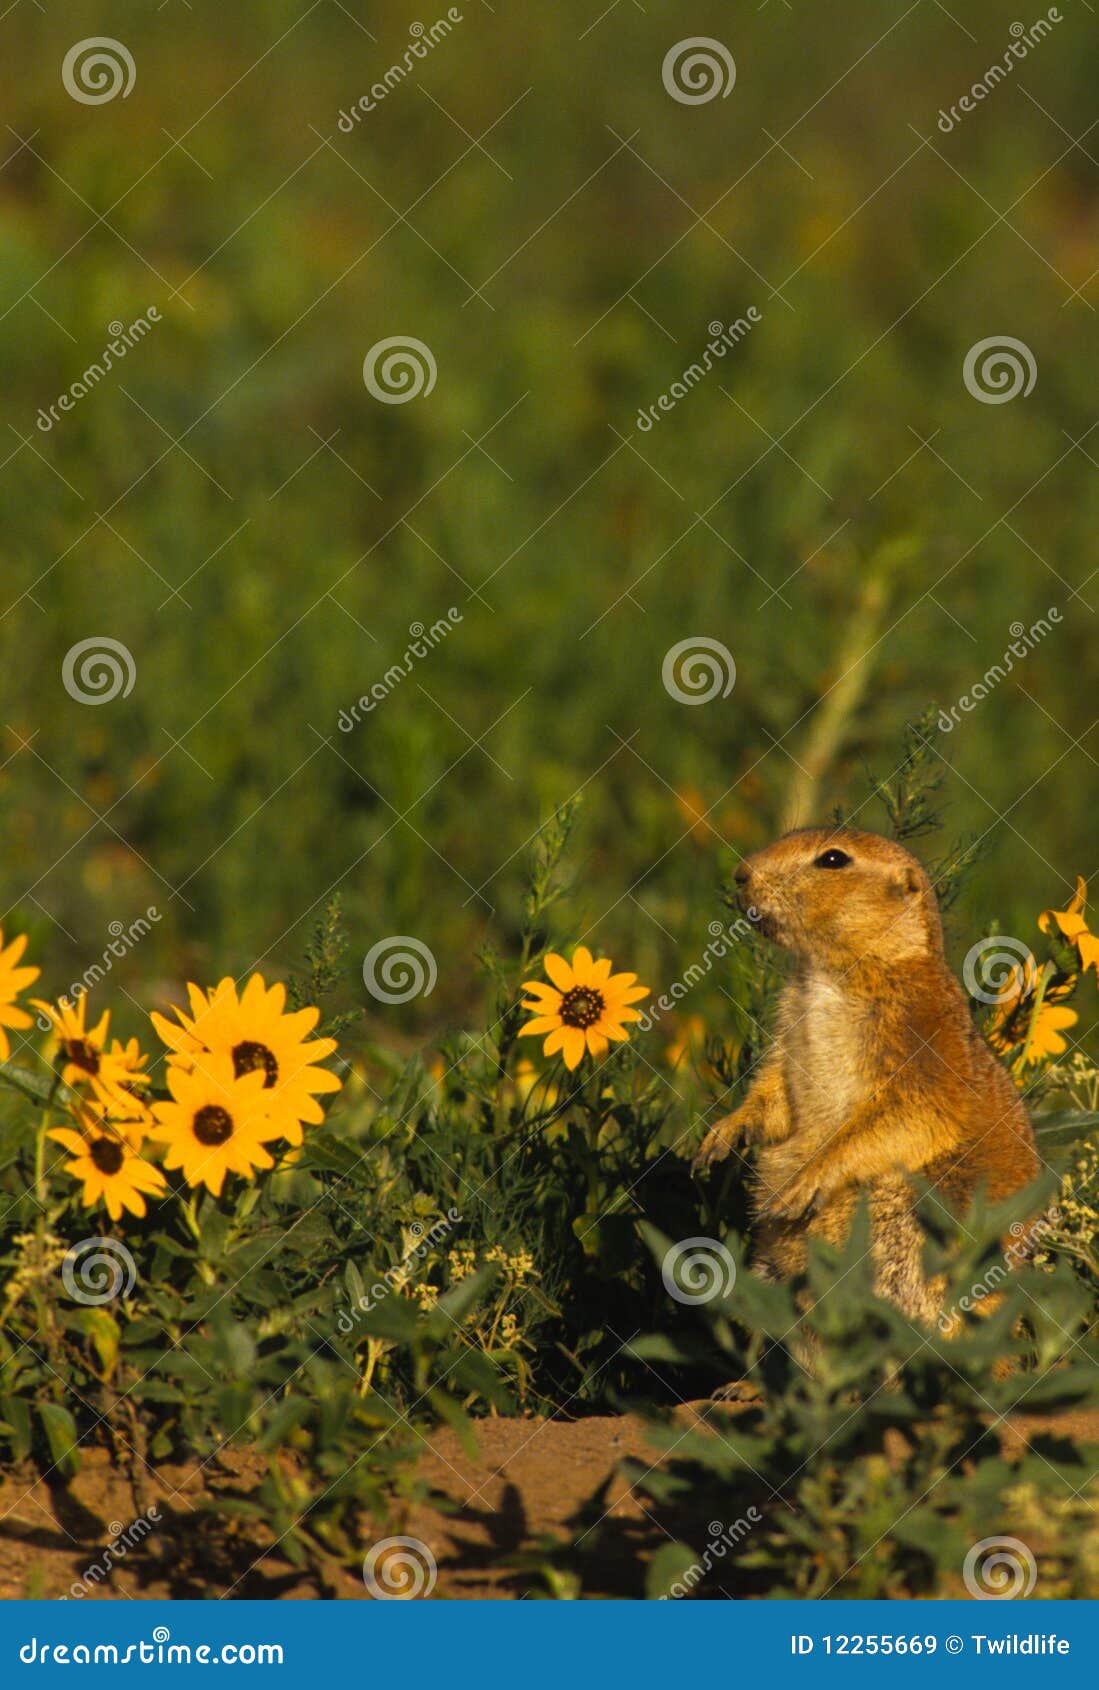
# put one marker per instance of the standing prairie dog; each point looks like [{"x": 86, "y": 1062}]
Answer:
[{"x": 876, "y": 1072}]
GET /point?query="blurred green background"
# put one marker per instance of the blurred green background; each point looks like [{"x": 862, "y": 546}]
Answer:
[{"x": 532, "y": 204}]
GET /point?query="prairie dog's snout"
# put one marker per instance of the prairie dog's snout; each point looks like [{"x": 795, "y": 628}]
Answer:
[{"x": 745, "y": 895}]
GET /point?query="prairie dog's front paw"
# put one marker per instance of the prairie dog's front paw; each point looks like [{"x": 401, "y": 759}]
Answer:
[{"x": 720, "y": 1140}]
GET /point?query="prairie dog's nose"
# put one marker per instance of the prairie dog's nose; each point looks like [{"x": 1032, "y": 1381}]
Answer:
[{"x": 743, "y": 874}]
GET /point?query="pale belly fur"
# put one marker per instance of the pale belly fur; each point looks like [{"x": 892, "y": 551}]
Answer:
[{"x": 826, "y": 1042}]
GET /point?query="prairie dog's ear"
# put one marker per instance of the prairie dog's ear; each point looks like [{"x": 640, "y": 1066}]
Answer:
[{"x": 906, "y": 883}]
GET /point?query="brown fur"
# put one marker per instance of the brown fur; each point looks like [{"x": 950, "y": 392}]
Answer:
[{"x": 876, "y": 1072}]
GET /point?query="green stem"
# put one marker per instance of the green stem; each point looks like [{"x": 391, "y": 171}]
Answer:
[
  {"x": 189, "y": 1206},
  {"x": 40, "y": 1170},
  {"x": 1048, "y": 971},
  {"x": 41, "y": 1194}
]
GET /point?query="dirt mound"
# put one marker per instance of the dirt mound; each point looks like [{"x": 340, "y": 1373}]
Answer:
[
  {"x": 527, "y": 1481},
  {"x": 491, "y": 1526}
]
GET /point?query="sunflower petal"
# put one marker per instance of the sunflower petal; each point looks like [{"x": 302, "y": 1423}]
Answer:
[
  {"x": 581, "y": 965},
  {"x": 559, "y": 972},
  {"x": 573, "y": 1047},
  {"x": 69, "y": 1139},
  {"x": 542, "y": 1006},
  {"x": 541, "y": 1024}
]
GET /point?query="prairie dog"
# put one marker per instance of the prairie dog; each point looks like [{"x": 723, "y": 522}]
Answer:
[{"x": 876, "y": 1071}]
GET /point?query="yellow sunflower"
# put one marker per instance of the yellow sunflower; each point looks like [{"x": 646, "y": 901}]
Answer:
[
  {"x": 82, "y": 1054},
  {"x": 216, "y": 1123},
  {"x": 1045, "y": 1039},
  {"x": 1072, "y": 925},
  {"x": 257, "y": 1036},
  {"x": 1020, "y": 1023},
  {"x": 106, "y": 1160},
  {"x": 13, "y": 980},
  {"x": 121, "y": 1094},
  {"x": 132, "y": 1063},
  {"x": 584, "y": 1008}
]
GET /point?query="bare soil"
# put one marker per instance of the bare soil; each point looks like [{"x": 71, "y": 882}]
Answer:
[{"x": 490, "y": 1525}]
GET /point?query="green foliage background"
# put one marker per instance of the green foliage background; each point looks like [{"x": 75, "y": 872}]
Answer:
[{"x": 786, "y": 507}]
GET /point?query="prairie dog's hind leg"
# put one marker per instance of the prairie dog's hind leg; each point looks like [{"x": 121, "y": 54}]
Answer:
[{"x": 897, "y": 1251}]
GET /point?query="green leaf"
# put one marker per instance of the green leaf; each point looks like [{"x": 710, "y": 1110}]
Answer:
[
  {"x": 286, "y": 1418},
  {"x": 103, "y": 1331},
  {"x": 671, "y": 1564},
  {"x": 335, "y": 1155},
  {"x": 1066, "y": 1124},
  {"x": 353, "y": 1279},
  {"x": 392, "y": 1317},
  {"x": 215, "y": 1230},
  {"x": 234, "y": 1409},
  {"x": 60, "y": 1429},
  {"x": 141, "y": 1331},
  {"x": 157, "y": 1390},
  {"x": 38, "y": 1087},
  {"x": 17, "y": 1416},
  {"x": 657, "y": 1347},
  {"x": 456, "y": 1303},
  {"x": 172, "y": 1246},
  {"x": 456, "y": 1418}
]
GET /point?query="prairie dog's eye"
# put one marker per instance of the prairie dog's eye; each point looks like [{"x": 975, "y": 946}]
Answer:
[{"x": 832, "y": 859}]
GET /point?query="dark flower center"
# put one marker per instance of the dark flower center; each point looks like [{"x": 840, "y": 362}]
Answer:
[
  {"x": 249, "y": 1056},
  {"x": 212, "y": 1124},
  {"x": 107, "y": 1155},
  {"x": 581, "y": 1007},
  {"x": 83, "y": 1055}
]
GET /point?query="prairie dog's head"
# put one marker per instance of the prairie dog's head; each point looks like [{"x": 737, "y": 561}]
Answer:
[{"x": 835, "y": 896}]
